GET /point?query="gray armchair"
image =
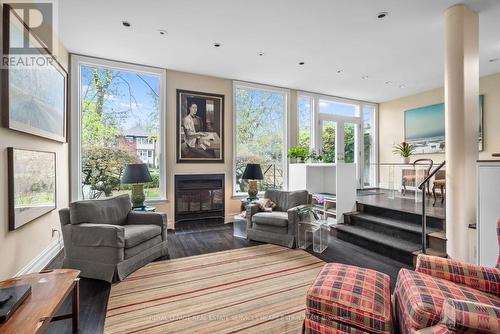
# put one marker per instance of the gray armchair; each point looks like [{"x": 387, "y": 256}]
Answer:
[
  {"x": 279, "y": 226},
  {"x": 105, "y": 240}
]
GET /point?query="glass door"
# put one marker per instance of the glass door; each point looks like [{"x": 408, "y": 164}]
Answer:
[
  {"x": 369, "y": 148},
  {"x": 328, "y": 140},
  {"x": 351, "y": 150}
]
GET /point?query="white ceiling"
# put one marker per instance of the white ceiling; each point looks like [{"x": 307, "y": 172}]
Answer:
[{"x": 405, "y": 48}]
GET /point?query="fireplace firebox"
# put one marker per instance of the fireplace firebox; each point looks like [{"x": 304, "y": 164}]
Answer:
[{"x": 199, "y": 198}]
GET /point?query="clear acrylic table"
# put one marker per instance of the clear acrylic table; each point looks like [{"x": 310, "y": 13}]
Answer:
[{"x": 313, "y": 233}]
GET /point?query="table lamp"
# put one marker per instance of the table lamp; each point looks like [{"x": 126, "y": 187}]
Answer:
[
  {"x": 252, "y": 173},
  {"x": 137, "y": 175}
]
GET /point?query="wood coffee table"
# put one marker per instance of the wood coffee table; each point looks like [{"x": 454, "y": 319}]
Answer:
[{"x": 48, "y": 292}]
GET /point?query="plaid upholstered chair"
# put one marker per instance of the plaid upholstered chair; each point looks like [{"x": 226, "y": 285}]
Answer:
[{"x": 448, "y": 296}]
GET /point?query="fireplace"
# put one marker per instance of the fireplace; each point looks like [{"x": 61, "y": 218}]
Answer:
[{"x": 199, "y": 198}]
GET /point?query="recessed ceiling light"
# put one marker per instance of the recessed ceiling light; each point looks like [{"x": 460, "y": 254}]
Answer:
[
  {"x": 402, "y": 86},
  {"x": 162, "y": 32},
  {"x": 364, "y": 77},
  {"x": 381, "y": 15},
  {"x": 217, "y": 45},
  {"x": 340, "y": 71},
  {"x": 126, "y": 24},
  {"x": 492, "y": 60},
  {"x": 301, "y": 63},
  {"x": 261, "y": 54}
]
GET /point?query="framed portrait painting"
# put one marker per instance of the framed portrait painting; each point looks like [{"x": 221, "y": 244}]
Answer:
[
  {"x": 31, "y": 185},
  {"x": 200, "y": 127},
  {"x": 34, "y": 84}
]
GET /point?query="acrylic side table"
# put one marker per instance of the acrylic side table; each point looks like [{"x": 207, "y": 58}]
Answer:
[{"x": 313, "y": 233}]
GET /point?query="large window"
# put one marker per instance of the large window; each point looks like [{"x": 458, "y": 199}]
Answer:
[
  {"x": 369, "y": 146},
  {"x": 260, "y": 134},
  {"x": 338, "y": 108},
  {"x": 342, "y": 129},
  {"x": 304, "y": 120},
  {"x": 116, "y": 120}
]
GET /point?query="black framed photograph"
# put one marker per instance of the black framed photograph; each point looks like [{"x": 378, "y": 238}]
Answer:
[
  {"x": 34, "y": 86},
  {"x": 200, "y": 127},
  {"x": 31, "y": 185}
]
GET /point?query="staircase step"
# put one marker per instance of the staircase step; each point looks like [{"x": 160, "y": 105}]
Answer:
[
  {"x": 395, "y": 248},
  {"x": 395, "y": 223},
  {"x": 388, "y": 212},
  {"x": 437, "y": 241}
]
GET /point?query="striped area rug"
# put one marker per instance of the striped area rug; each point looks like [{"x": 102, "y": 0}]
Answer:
[{"x": 257, "y": 289}]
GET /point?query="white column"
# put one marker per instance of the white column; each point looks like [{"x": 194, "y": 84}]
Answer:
[{"x": 461, "y": 115}]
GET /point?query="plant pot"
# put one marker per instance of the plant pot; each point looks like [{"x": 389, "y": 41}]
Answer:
[{"x": 405, "y": 160}]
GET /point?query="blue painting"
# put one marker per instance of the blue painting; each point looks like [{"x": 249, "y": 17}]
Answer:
[{"x": 425, "y": 128}]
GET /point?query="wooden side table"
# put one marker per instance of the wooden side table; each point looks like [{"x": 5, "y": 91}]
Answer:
[{"x": 48, "y": 292}]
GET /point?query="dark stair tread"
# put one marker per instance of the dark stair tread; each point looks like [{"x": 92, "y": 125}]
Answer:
[
  {"x": 381, "y": 238},
  {"x": 400, "y": 224},
  {"x": 408, "y": 211},
  {"x": 438, "y": 235}
]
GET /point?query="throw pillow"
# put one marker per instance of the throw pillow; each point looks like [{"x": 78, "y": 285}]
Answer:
[{"x": 265, "y": 204}]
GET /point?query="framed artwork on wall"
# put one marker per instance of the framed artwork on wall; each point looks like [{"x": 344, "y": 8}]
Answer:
[
  {"x": 34, "y": 94},
  {"x": 425, "y": 128},
  {"x": 31, "y": 185},
  {"x": 200, "y": 127}
]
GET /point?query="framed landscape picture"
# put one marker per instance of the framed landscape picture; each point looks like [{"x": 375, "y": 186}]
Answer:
[
  {"x": 425, "y": 128},
  {"x": 31, "y": 185},
  {"x": 200, "y": 127},
  {"x": 34, "y": 94}
]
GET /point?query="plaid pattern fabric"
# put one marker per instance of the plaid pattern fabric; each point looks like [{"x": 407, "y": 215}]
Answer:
[
  {"x": 477, "y": 277},
  {"x": 315, "y": 324},
  {"x": 438, "y": 329},
  {"x": 498, "y": 237},
  {"x": 463, "y": 316},
  {"x": 353, "y": 296},
  {"x": 420, "y": 298}
]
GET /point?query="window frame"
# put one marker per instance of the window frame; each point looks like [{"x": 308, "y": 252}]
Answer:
[
  {"x": 311, "y": 99},
  {"x": 286, "y": 128},
  {"x": 77, "y": 61},
  {"x": 317, "y": 117}
]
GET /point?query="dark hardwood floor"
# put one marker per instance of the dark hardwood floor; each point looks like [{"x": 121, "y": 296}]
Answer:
[{"x": 194, "y": 241}]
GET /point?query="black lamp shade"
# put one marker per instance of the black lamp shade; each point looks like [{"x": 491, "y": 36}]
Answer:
[
  {"x": 136, "y": 173},
  {"x": 252, "y": 172}
]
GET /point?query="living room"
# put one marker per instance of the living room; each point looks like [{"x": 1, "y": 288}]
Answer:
[{"x": 232, "y": 166}]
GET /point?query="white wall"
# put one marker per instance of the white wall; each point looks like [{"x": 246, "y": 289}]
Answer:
[{"x": 19, "y": 247}]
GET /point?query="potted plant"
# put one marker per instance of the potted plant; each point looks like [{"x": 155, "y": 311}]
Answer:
[
  {"x": 405, "y": 150},
  {"x": 316, "y": 156},
  {"x": 299, "y": 152}
]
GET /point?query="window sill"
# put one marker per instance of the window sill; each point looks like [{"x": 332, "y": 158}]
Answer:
[
  {"x": 245, "y": 195},
  {"x": 156, "y": 201}
]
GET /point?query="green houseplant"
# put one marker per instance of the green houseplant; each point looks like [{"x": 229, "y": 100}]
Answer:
[
  {"x": 299, "y": 152},
  {"x": 308, "y": 213},
  {"x": 405, "y": 150},
  {"x": 316, "y": 156}
]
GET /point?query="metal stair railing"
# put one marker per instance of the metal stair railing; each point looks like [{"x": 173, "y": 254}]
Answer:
[{"x": 423, "y": 186}]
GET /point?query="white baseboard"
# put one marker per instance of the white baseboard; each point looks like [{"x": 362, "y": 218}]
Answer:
[{"x": 43, "y": 259}]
